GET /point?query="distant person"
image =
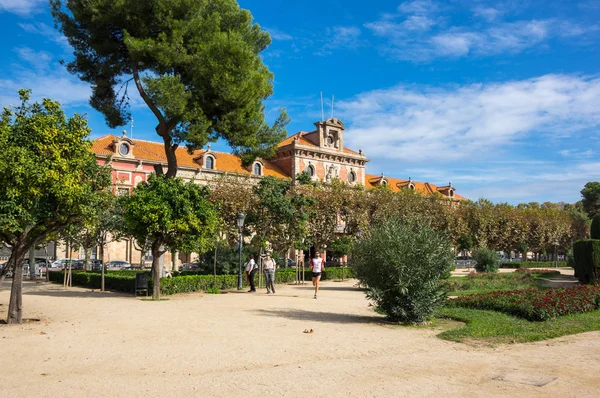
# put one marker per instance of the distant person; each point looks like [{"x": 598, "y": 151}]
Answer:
[
  {"x": 166, "y": 273},
  {"x": 317, "y": 266},
  {"x": 269, "y": 267},
  {"x": 251, "y": 268}
]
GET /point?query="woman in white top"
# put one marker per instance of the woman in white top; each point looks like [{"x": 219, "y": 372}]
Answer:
[
  {"x": 251, "y": 269},
  {"x": 317, "y": 267}
]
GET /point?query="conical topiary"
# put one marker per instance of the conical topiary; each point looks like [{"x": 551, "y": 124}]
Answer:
[{"x": 595, "y": 230}]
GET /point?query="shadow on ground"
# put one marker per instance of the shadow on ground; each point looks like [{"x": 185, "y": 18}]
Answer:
[
  {"x": 327, "y": 317},
  {"x": 335, "y": 288},
  {"x": 561, "y": 281},
  {"x": 60, "y": 292}
]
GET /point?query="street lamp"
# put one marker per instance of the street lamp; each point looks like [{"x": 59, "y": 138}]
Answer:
[{"x": 240, "y": 223}]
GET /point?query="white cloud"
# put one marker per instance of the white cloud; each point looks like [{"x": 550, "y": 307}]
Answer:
[
  {"x": 420, "y": 32},
  {"x": 488, "y": 13},
  {"x": 38, "y": 59},
  {"x": 419, "y": 7},
  {"x": 424, "y": 124},
  {"x": 277, "y": 34},
  {"x": 23, "y": 7},
  {"x": 40, "y": 28},
  {"x": 340, "y": 37}
]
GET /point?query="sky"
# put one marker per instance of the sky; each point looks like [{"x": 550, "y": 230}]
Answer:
[{"x": 501, "y": 98}]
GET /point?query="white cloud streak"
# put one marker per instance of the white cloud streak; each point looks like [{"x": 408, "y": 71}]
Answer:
[
  {"x": 462, "y": 122},
  {"x": 24, "y": 8},
  {"x": 420, "y": 32}
]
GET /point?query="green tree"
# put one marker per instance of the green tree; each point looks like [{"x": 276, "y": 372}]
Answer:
[
  {"x": 171, "y": 215},
  {"x": 49, "y": 179},
  {"x": 591, "y": 198},
  {"x": 196, "y": 65}
]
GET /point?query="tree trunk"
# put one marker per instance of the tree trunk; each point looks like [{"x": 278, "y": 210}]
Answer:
[
  {"x": 88, "y": 255},
  {"x": 32, "y": 263},
  {"x": 157, "y": 253},
  {"x": 169, "y": 151},
  {"x": 15, "y": 306}
]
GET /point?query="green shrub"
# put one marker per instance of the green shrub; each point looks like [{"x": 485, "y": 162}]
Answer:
[
  {"x": 534, "y": 264},
  {"x": 113, "y": 280},
  {"x": 401, "y": 267},
  {"x": 595, "y": 228},
  {"x": 486, "y": 260},
  {"x": 587, "y": 261}
]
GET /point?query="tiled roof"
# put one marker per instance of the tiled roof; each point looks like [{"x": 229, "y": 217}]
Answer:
[
  {"x": 303, "y": 138},
  {"x": 154, "y": 152},
  {"x": 396, "y": 184}
]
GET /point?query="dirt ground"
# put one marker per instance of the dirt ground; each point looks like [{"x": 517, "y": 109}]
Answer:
[{"x": 242, "y": 344}]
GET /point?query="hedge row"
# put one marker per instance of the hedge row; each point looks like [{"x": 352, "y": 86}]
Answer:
[
  {"x": 124, "y": 281},
  {"x": 587, "y": 261},
  {"x": 532, "y": 264},
  {"x": 535, "y": 304},
  {"x": 113, "y": 280}
]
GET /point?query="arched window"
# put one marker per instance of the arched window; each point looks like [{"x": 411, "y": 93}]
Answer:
[
  {"x": 452, "y": 193},
  {"x": 310, "y": 170},
  {"x": 383, "y": 182},
  {"x": 352, "y": 177},
  {"x": 411, "y": 186},
  {"x": 210, "y": 162},
  {"x": 257, "y": 169}
]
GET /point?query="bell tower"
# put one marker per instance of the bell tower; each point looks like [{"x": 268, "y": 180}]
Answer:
[{"x": 330, "y": 134}]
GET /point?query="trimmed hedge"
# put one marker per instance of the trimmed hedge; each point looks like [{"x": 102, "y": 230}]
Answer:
[
  {"x": 124, "y": 281},
  {"x": 532, "y": 264},
  {"x": 595, "y": 228},
  {"x": 535, "y": 304},
  {"x": 587, "y": 261}
]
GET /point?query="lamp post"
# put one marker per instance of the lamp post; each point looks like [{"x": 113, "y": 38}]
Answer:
[{"x": 240, "y": 223}]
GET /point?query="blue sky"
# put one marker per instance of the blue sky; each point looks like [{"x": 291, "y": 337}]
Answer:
[{"x": 502, "y": 98}]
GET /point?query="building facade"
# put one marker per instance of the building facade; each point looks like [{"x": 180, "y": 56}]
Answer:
[{"x": 321, "y": 153}]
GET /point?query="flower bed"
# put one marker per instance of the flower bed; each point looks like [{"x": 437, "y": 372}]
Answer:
[{"x": 535, "y": 304}]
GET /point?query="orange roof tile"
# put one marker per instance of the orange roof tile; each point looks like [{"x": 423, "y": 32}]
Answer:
[
  {"x": 396, "y": 184},
  {"x": 154, "y": 152}
]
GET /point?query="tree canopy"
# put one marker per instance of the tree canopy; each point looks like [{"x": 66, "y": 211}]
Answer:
[
  {"x": 196, "y": 65},
  {"x": 49, "y": 179},
  {"x": 591, "y": 198},
  {"x": 169, "y": 214}
]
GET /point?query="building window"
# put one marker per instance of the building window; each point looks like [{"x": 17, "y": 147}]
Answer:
[
  {"x": 411, "y": 186},
  {"x": 352, "y": 177},
  {"x": 122, "y": 191},
  {"x": 257, "y": 169},
  {"x": 383, "y": 182},
  {"x": 311, "y": 170},
  {"x": 451, "y": 193},
  {"x": 210, "y": 162},
  {"x": 124, "y": 149}
]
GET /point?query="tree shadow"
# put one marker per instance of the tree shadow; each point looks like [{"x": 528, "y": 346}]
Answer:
[
  {"x": 332, "y": 288},
  {"x": 325, "y": 317},
  {"x": 76, "y": 294},
  {"x": 561, "y": 281}
]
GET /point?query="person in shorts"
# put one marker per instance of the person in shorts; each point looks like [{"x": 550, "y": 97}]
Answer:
[{"x": 317, "y": 266}]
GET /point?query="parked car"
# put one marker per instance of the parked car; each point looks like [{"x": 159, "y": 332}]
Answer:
[
  {"x": 96, "y": 265},
  {"x": 281, "y": 263},
  {"x": 61, "y": 263},
  {"x": 118, "y": 265},
  {"x": 189, "y": 267}
]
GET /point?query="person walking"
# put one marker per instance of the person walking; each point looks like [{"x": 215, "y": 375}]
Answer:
[
  {"x": 269, "y": 267},
  {"x": 251, "y": 268},
  {"x": 317, "y": 266}
]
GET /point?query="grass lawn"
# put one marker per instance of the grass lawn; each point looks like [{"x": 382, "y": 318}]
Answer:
[
  {"x": 495, "y": 327},
  {"x": 486, "y": 283}
]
